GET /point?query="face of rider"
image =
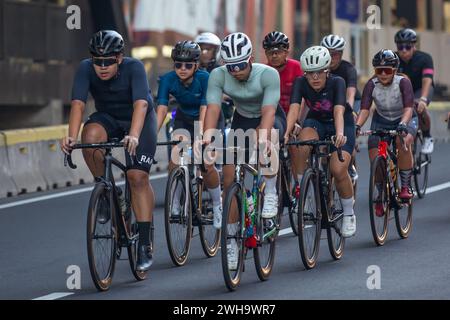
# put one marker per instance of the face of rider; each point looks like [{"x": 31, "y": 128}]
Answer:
[
  {"x": 209, "y": 52},
  {"x": 277, "y": 57},
  {"x": 317, "y": 80},
  {"x": 406, "y": 51},
  {"x": 107, "y": 67},
  {"x": 336, "y": 59},
  {"x": 385, "y": 75},
  {"x": 185, "y": 70}
]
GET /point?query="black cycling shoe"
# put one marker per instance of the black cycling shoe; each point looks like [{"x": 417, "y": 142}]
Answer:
[
  {"x": 103, "y": 214},
  {"x": 144, "y": 258}
]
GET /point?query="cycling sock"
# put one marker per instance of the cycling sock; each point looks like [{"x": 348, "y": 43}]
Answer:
[
  {"x": 300, "y": 178},
  {"x": 426, "y": 134},
  {"x": 406, "y": 177},
  {"x": 271, "y": 185},
  {"x": 347, "y": 206},
  {"x": 144, "y": 233},
  {"x": 215, "y": 196}
]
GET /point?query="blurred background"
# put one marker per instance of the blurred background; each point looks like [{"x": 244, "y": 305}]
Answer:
[{"x": 39, "y": 54}]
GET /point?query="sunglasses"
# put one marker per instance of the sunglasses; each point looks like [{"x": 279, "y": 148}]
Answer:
[
  {"x": 188, "y": 66},
  {"x": 316, "y": 74},
  {"x": 236, "y": 67},
  {"x": 276, "y": 50},
  {"x": 403, "y": 47},
  {"x": 387, "y": 71},
  {"x": 336, "y": 53},
  {"x": 104, "y": 62}
]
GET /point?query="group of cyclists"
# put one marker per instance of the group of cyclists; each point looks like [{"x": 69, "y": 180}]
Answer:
[{"x": 310, "y": 99}]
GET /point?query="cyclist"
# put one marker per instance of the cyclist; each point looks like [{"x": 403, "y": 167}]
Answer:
[
  {"x": 394, "y": 100},
  {"x": 125, "y": 110},
  {"x": 329, "y": 115},
  {"x": 255, "y": 89},
  {"x": 418, "y": 66},
  {"x": 210, "y": 47},
  {"x": 344, "y": 69},
  {"x": 188, "y": 85}
]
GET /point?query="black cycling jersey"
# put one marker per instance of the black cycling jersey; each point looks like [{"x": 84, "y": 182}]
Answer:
[
  {"x": 420, "y": 66},
  {"x": 348, "y": 72},
  {"x": 116, "y": 96},
  {"x": 321, "y": 104}
]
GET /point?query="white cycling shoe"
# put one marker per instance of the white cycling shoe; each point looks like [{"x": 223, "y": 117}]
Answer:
[
  {"x": 270, "y": 208},
  {"x": 217, "y": 210},
  {"x": 349, "y": 226},
  {"x": 232, "y": 255},
  {"x": 428, "y": 146}
]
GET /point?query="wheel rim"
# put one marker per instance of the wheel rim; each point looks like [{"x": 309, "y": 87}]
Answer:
[{"x": 379, "y": 196}]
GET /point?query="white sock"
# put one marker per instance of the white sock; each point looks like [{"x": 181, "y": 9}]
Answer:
[
  {"x": 271, "y": 185},
  {"x": 232, "y": 228},
  {"x": 300, "y": 178},
  {"x": 216, "y": 196},
  {"x": 347, "y": 205}
]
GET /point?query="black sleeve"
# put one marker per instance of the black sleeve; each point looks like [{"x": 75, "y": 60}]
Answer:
[
  {"x": 297, "y": 91},
  {"x": 340, "y": 92},
  {"x": 81, "y": 84},
  {"x": 352, "y": 77}
]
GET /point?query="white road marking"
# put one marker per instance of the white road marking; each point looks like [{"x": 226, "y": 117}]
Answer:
[
  {"x": 65, "y": 194},
  {"x": 54, "y": 296}
]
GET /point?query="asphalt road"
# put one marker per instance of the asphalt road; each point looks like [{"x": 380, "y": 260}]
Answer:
[{"x": 41, "y": 239}]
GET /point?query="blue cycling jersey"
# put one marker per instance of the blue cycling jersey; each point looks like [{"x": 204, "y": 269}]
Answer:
[
  {"x": 116, "y": 96},
  {"x": 189, "y": 98}
]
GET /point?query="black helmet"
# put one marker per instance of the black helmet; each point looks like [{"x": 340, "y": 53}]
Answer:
[
  {"x": 386, "y": 58},
  {"x": 186, "y": 51},
  {"x": 276, "y": 39},
  {"x": 106, "y": 43},
  {"x": 406, "y": 36}
]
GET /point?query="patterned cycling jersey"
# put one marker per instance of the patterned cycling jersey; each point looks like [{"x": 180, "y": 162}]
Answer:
[
  {"x": 390, "y": 101},
  {"x": 321, "y": 104}
]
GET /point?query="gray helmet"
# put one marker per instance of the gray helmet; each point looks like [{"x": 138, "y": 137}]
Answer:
[
  {"x": 333, "y": 42},
  {"x": 186, "y": 51},
  {"x": 406, "y": 36},
  {"x": 106, "y": 43}
]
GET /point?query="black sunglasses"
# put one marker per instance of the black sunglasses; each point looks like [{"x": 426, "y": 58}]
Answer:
[
  {"x": 402, "y": 47},
  {"x": 104, "y": 62},
  {"x": 188, "y": 66},
  {"x": 237, "y": 67}
]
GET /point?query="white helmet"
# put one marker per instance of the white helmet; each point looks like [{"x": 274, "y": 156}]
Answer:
[
  {"x": 208, "y": 38},
  {"x": 315, "y": 59},
  {"x": 212, "y": 39},
  {"x": 333, "y": 42},
  {"x": 236, "y": 47}
]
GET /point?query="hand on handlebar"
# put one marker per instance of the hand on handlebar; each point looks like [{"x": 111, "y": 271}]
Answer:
[
  {"x": 67, "y": 144},
  {"x": 131, "y": 143}
]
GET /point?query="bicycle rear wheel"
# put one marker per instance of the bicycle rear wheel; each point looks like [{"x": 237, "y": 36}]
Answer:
[
  {"x": 178, "y": 227},
  {"x": 379, "y": 199},
  {"x": 264, "y": 253},
  {"x": 309, "y": 220},
  {"x": 209, "y": 236},
  {"x": 102, "y": 236},
  {"x": 232, "y": 236},
  {"x": 336, "y": 241},
  {"x": 421, "y": 166}
]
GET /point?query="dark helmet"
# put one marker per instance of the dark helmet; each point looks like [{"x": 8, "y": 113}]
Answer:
[
  {"x": 406, "y": 36},
  {"x": 106, "y": 43},
  {"x": 386, "y": 58},
  {"x": 276, "y": 39},
  {"x": 186, "y": 51}
]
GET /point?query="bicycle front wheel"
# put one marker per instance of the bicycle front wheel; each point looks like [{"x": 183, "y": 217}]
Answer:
[
  {"x": 209, "y": 236},
  {"x": 309, "y": 220},
  {"x": 232, "y": 237},
  {"x": 379, "y": 198},
  {"x": 178, "y": 217},
  {"x": 264, "y": 253},
  {"x": 102, "y": 237},
  {"x": 336, "y": 241},
  {"x": 403, "y": 216}
]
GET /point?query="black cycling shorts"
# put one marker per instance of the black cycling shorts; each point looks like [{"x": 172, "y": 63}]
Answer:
[{"x": 117, "y": 129}]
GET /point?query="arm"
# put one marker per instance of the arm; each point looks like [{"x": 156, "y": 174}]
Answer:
[
  {"x": 214, "y": 96},
  {"x": 427, "y": 77},
  {"x": 202, "y": 118},
  {"x": 161, "y": 114},
  {"x": 408, "y": 100},
  {"x": 270, "y": 81},
  {"x": 338, "y": 112},
  {"x": 366, "y": 104},
  {"x": 351, "y": 93},
  {"x": 163, "y": 100},
  {"x": 352, "y": 85}
]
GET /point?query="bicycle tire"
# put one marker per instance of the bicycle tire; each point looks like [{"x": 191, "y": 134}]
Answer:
[
  {"x": 179, "y": 247},
  {"x": 336, "y": 241},
  {"x": 102, "y": 278},
  {"x": 206, "y": 226},
  {"x": 420, "y": 171},
  {"x": 379, "y": 167},
  {"x": 311, "y": 221}
]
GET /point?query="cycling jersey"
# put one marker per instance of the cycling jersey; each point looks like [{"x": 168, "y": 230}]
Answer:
[
  {"x": 390, "y": 101},
  {"x": 262, "y": 89},
  {"x": 348, "y": 72},
  {"x": 420, "y": 66},
  {"x": 117, "y": 95},
  {"x": 291, "y": 71},
  {"x": 321, "y": 109},
  {"x": 321, "y": 104},
  {"x": 114, "y": 100},
  {"x": 190, "y": 98}
]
